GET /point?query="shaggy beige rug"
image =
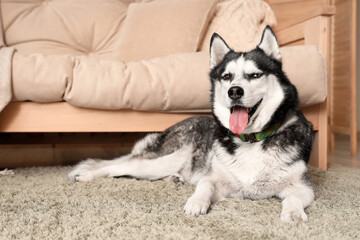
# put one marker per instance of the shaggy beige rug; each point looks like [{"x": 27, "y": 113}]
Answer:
[{"x": 41, "y": 203}]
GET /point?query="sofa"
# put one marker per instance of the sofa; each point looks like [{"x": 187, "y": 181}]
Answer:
[{"x": 142, "y": 65}]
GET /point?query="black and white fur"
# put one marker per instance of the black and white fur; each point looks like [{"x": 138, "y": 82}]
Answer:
[{"x": 204, "y": 152}]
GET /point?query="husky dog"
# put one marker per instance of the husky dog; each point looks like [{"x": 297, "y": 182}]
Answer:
[{"x": 256, "y": 144}]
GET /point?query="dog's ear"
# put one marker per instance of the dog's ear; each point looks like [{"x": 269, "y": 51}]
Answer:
[
  {"x": 269, "y": 44},
  {"x": 218, "y": 50}
]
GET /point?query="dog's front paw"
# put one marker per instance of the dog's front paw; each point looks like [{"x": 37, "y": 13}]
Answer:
[
  {"x": 196, "y": 206},
  {"x": 293, "y": 210},
  {"x": 295, "y": 215}
]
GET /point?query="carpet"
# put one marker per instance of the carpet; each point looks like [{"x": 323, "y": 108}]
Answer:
[{"x": 41, "y": 203}]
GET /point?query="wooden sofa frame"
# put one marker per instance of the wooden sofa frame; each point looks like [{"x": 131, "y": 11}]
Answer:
[{"x": 311, "y": 28}]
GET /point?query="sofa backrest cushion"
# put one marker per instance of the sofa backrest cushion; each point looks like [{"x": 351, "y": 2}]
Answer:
[
  {"x": 76, "y": 27},
  {"x": 163, "y": 27},
  {"x": 129, "y": 27}
]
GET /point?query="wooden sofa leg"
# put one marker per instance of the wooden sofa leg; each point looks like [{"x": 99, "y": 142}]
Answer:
[
  {"x": 332, "y": 141},
  {"x": 314, "y": 157},
  {"x": 353, "y": 140}
]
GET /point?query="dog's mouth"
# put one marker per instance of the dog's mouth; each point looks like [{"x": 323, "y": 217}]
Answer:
[{"x": 240, "y": 117}]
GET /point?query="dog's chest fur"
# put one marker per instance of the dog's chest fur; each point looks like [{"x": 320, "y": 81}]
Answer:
[{"x": 251, "y": 172}]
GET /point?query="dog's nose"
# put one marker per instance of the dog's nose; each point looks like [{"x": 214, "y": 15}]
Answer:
[{"x": 235, "y": 92}]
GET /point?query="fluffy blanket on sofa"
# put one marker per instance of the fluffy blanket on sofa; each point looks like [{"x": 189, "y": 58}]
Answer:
[
  {"x": 5, "y": 75},
  {"x": 6, "y": 54}
]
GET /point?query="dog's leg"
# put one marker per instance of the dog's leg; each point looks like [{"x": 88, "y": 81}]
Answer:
[
  {"x": 295, "y": 200},
  {"x": 91, "y": 169},
  {"x": 200, "y": 201},
  {"x": 151, "y": 169}
]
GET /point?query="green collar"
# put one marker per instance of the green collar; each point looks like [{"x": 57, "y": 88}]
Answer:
[{"x": 257, "y": 137}]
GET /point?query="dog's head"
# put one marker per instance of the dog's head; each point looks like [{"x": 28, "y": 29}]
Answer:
[{"x": 249, "y": 89}]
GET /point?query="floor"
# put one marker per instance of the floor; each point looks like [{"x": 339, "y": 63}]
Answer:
[{"x": 341, "y": 155}]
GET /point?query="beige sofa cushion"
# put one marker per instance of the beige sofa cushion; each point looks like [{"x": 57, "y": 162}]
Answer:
[
  {"x": 171, "y": 83},
  {"x": 305, "y": 66},
  {"x": 95, "y": 27},
  {"x": 160, "y": 28},
  {"x": 81, "y": 27},
  {"x": 41, "y": 78},
  {"x": 175, "y": 82}
]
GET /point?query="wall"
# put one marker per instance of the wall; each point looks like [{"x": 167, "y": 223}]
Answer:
[{"x": 358, "y": 64}]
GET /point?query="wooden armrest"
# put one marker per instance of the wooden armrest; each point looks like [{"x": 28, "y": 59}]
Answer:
[{"x": 324, "y": 11}]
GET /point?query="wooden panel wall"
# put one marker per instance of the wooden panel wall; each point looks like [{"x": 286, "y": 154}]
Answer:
[
  {"x": 340, "y": 102},
  {"x": 343, "y": 85}
]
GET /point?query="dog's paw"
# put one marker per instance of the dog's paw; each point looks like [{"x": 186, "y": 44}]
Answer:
[
  {"x": 195, "y": 207},
  {"x": 175, "y": 178},
  {"x": 293, "y": 210},
  {"x": 294, "y": 215},
  {"x": 84, "y": 171},
  {"x": 82, "y": 177}
]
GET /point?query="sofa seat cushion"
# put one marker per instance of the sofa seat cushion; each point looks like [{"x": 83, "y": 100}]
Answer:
[
  {"x": 172, "y": 83},
  {"x": 160, "y": 28}
]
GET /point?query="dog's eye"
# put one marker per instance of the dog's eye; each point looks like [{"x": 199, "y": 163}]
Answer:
[
  {"x": 255, "y": 75},
  {"x": 227, "y": 76}
]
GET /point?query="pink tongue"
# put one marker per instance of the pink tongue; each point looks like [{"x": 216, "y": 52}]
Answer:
[{"x": 238, "y": 119}]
